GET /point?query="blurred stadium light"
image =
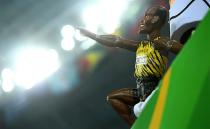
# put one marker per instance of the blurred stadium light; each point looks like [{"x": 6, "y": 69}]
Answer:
[
  {"x": 68, "y": 33},
  {"x": 68, "y": 44},
  {"x": 105, "y": 15},
  {"x": 7, "y": 80},
  {"x": 87, "y": 44},
  {"x": 33, "y": 65}
]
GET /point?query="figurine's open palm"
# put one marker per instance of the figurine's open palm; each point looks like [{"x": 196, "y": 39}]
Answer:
[{"x": 108, "y": 40}]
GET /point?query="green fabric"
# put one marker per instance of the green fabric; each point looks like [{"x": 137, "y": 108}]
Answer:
[{"x": 188, "y": 101}]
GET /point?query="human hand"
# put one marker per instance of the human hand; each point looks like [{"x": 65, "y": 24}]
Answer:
[
  {"x": 83, "y": 31},
  {"x": 108, "y": 37},
  {"x": 108, "y": 40}
]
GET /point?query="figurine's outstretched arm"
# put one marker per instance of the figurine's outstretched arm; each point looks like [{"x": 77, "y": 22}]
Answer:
[
  {"x": 171, "y": 45},
  {"x": 111, "y": 40}
]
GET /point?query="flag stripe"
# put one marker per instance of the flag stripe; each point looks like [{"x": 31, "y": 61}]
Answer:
[{"x": 159, "y": 108}]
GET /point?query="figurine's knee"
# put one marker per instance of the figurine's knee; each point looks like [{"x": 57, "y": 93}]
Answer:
[
  {"x": 115, "y": 102},
  {"x": 119, "y": 95},
  {"x": 111, "y": 98},
  {"x": 108, "y": 98}
]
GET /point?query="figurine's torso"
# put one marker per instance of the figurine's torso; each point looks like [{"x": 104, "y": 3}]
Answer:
[{"x": 149, "y": 62}]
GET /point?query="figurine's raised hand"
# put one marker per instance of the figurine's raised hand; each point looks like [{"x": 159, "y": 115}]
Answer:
[
  {"x": 108, "y": 40},
  {"x": 86, "y": 32}
]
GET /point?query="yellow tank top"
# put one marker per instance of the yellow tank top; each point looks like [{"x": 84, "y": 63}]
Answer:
[{"x": 149, "y": 62}]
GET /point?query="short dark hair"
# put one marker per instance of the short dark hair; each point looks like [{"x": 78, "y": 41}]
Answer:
[{"x": 162, "y": 12}]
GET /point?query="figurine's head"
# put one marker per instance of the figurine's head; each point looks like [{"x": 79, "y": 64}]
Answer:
[{"x": 154, "y": 18}]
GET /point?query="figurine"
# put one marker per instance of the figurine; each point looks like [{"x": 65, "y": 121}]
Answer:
[{"x": 151, "y": 60}]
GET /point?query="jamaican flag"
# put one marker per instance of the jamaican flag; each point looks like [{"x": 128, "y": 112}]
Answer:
[{"x": 183, "y": 99}]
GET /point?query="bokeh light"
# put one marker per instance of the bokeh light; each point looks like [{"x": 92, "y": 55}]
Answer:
[
  {"x": 105, "y": 15},
  {"x": 7, "y": 80},
  {"x": 34, "y": 65}
]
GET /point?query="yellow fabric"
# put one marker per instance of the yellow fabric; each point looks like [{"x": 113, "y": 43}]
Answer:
[{"x": 149, "y": 62}]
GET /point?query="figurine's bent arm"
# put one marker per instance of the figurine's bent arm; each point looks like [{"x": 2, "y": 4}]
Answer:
[
  {"x": 168, "y": 44},
  {"x": 174, "y": 46}
]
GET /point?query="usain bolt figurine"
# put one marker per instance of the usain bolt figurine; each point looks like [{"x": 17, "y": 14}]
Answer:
[{"x": 151, "y": 60}]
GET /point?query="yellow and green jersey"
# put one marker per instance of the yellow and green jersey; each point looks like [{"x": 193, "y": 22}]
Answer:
[{"x": 149, "y": 62}]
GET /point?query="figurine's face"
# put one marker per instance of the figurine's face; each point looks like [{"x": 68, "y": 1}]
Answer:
[{"x": 149, "y": 22}]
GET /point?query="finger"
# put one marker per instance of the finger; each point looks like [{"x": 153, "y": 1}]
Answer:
[{"x": 83, "y": 31}]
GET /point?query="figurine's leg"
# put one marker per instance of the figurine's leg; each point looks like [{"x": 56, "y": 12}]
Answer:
[{"x": 121, "y": 100}]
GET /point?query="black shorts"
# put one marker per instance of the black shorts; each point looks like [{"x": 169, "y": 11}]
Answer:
[{"x": 145, "y": 86}]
